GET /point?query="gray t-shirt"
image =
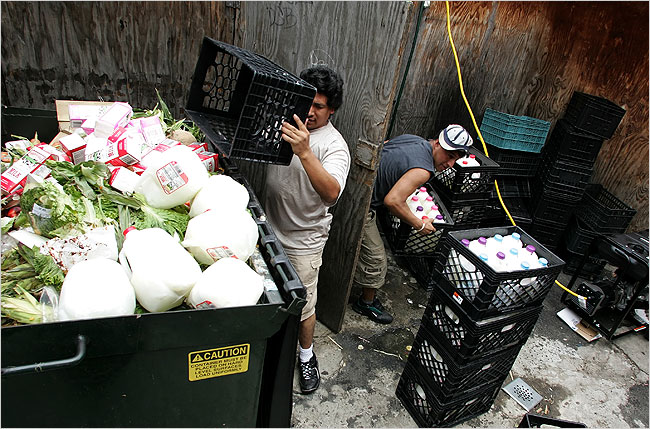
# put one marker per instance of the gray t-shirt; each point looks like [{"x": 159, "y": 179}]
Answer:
[
  {"x": 398, "y": 156},
  {"x": 297, "y": 213}
]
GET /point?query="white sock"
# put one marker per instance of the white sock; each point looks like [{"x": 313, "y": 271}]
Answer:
[{"x": 306, "y": 354}]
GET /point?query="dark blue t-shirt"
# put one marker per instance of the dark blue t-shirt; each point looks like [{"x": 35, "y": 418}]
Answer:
[{"x": 398, "y": 156}]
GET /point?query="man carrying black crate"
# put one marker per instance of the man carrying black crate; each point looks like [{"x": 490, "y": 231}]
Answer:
[
  {"x": 407, "y": 162},
  {"x": 298, "y": 198}
]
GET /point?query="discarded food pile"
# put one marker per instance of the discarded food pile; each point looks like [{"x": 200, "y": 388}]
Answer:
[{"x": 118, "y": 217}]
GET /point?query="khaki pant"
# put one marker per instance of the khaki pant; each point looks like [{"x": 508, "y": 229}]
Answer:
[
  {"x": 372, "y": 265},
  {"x": 307, "y": 267}
]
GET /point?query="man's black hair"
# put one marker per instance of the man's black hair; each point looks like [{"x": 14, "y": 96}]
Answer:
[{"x": 327, "y": 82}]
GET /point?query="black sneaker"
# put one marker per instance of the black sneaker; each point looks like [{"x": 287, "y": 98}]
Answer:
[
  {"x": 309, "y": 375},
  {"x": 374, "y": 311}
]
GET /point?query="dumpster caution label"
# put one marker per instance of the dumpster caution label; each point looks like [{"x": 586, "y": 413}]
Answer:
[{"x": 217, "y": 362}]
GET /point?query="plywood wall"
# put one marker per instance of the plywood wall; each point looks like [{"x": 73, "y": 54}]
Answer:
[
  {"x": 527, "y": 58},
  {"x": 116, "y": 51}
]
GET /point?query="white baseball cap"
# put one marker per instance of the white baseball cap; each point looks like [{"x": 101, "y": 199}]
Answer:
[{"x": 455, "y": 137}]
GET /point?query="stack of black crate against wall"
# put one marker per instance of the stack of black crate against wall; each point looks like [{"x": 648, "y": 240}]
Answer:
[
  {"x": 567, "y": 164},
  {"x": 473, "y": 328}
]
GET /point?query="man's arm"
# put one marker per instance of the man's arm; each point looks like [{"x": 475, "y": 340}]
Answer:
[
  {"x": 325, "y": 184},
  {"x": 395, "y": 200}
]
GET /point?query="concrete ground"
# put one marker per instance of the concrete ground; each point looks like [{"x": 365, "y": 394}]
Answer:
[{"x": 601, "y": 384}]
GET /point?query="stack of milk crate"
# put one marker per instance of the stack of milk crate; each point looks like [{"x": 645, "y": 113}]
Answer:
[
  {"x": 482, "y": 307},
  {"x": 568, "y": 162}
]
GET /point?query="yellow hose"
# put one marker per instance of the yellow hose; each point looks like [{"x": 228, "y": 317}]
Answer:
[{"x": 480, "y": 136}]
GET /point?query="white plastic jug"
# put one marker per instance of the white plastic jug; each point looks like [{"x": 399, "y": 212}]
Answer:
[
  {"x": 478, "y": 246},
  {"x": 467, "y": 265},
  {"x": 173, "y": 179},
  {"x": 161, "y": 271},
  {"x": 434, "y": 211},
  {"x": 500, "y": 265},
  {"x": 512, "y": 259},
  {"x": 220, "y": 192},
  {"x": 229, "y": 282},
  {"x": 427, "y": 204},
  {"x": 413, "y": 203},
  {"x": 96, "y": 288},
  {"x": 421, "y": 193},
  {"x": 494, "y": 244},
  {"x": 512, "y": 240},
  {"x": 439, "y": 219},
  {"x": 528, "y": 254},
  {"x": 213, "y": 235}
]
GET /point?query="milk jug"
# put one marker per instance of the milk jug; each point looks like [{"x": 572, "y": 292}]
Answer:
[
  {"x": 173, "y": 179},
  {"x": 494, "y": 244},
  {"x": 413, "y": 203},
  {"x": 161, "y": 271},
  {"x": 439, "y": 219},
  {"x": 512, "y": 240},
  {"x": 428, "y": 203},
  {"x": 478, "y": 246}
]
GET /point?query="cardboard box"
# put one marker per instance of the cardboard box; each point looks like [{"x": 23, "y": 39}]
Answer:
[
  {"x": 575, "y": 323},
  {"x": 63, "y": 113}
]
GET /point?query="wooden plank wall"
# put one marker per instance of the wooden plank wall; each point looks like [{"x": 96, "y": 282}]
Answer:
[
  {"x": 527, "y": 58},
  {"x": 363, "y": 42},
  {"x": 118, "y": 51}
]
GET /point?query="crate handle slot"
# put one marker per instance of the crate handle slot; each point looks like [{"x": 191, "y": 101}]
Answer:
[
  {"x": 449, "y": 312},
  {"x": 507, "y": 327},
  {"x": 55, "y": 364},
  {"x": 489, "y": 365},
  {"x": 420, "y": 391}
]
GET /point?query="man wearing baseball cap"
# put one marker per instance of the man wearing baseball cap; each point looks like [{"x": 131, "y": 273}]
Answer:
[{"x": 407, "y": 162}]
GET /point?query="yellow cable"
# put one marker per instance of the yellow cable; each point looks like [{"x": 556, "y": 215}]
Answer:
[{"x": 478, "y": 131}]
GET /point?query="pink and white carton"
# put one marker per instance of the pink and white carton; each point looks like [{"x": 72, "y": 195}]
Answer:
[
  {"x": 118, "y": 115},
  {"x": 14, "y": 178},
  {"x": 123, "y": 179},
  {"x": 198, "y": 147},
  {"x": 80, "y": 113},
  {"x": 75, "y": 147},
  {"x": 210, "y": 160},
  {"x": 123, "y": 148}
]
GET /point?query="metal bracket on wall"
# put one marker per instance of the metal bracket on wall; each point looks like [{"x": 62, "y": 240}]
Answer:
[{"x": 367, "y": 154}]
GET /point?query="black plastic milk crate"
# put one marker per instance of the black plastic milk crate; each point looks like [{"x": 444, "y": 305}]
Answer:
[
  {"x": 531, "y": 420},
  {"x": 552, "y": 206},
  {"x": 578, "y": 236},
  {"x": 595, "y": 115},
  {"x": 547, "y": 232},
  {"x": 428, "y": 411},
  {"x": 404, "y": 240},
  {"x": 485, "y": 291},
  {"x": 467, "y": 213},
  {"x": 469, "y": 339},
  {"x": 515, "y": 163},
  {"x": 469, "y": 183},
  {"x": 604, "y": 212},
  {"x": 564, "y": 175},
  {"x": 568, "y": 142},
  {"x": 518, "y": 208},
  {"x": 239, "y": 100},
  {"x": 450, "y": 379},
  {"x": 591, "y": 270},
  {"x": 511, "y": 187}
]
